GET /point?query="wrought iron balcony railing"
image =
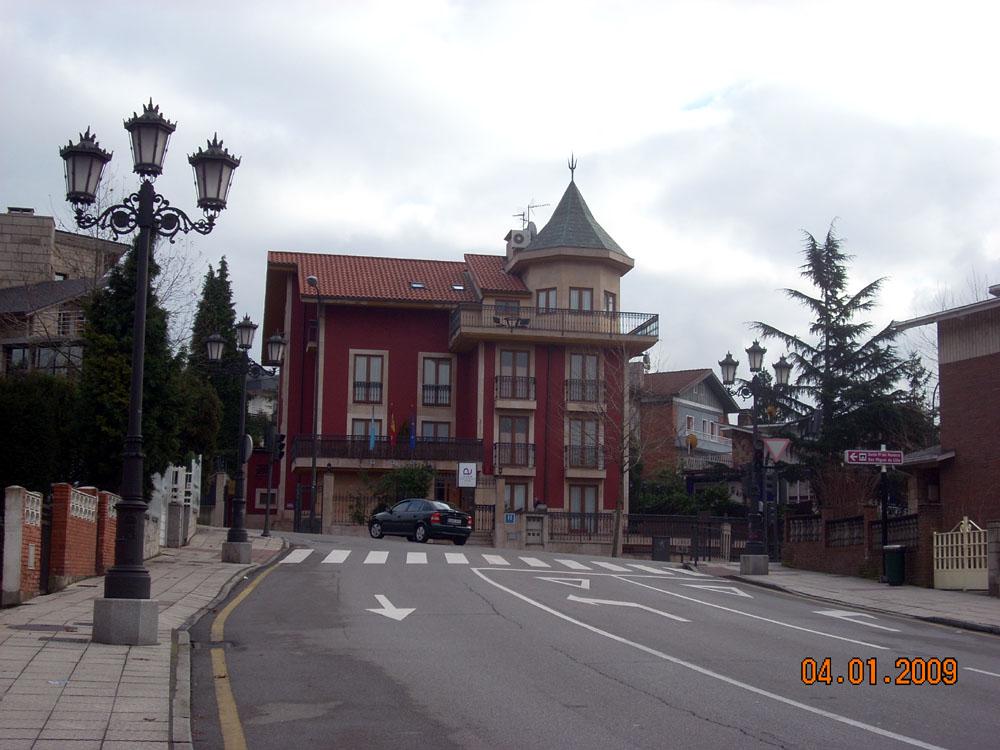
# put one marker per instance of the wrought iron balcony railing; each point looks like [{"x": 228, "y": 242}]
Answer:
[
  {"x": 404, "y": 449},
  {"x": 559, "y": 321},
  {"x": 514, "y": 454},
  {"x": 437, "y": 395},
  {"x": 515, "y": 387},
  {"x": 585, "y": 456},
  {"x": 366, "y": 392},
  {"x": 587, "y": 391}
]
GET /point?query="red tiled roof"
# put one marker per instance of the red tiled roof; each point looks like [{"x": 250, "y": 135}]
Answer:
[
  {"x": 389, "y": 279},
  {"x": 488, "y": 273},
  {"x": 673, "y": 382}
]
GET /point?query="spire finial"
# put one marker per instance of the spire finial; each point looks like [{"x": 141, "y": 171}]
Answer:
[{"x": 572, "y": 166}]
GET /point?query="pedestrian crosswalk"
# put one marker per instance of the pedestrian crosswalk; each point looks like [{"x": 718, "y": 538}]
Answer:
[{"x": 382, "y": 557}]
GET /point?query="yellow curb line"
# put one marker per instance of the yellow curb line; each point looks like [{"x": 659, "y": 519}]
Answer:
[{"x": 229, "y": 716}]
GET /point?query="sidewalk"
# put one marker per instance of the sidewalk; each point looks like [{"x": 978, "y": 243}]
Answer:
[
  {"x": 969, "y": 610},
  {"x": 60, "y": 691}
]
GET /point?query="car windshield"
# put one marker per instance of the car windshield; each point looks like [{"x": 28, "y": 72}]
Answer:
[{"x": 438, "y": 505}]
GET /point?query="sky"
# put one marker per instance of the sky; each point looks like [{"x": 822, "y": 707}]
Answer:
[{"x": 709, "y": 136}]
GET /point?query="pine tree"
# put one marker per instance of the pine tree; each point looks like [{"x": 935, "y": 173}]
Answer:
[{"x": 855, "y": 387}]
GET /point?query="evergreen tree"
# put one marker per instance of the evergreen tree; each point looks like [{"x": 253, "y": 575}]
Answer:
[
  {"x": 857, "y": 389},
  {"x": 105, "y": 375},
  {"x": 216, "y": 314}
]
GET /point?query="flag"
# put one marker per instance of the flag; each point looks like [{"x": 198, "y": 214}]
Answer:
[
  {"x": 392, "y": 431},
  {"x": 371, "y": 432},
  {"x": 413, "y": 432}
]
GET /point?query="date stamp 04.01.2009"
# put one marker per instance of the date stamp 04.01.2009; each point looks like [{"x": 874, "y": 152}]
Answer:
[{"x": 905, "y": 671}]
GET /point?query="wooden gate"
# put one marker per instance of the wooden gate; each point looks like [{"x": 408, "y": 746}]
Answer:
[{"x": 960, "y": 558}]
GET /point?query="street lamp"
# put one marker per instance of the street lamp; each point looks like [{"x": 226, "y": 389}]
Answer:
[
  {"x": 314, "y": 283},
  {"x": 752, "y": 389},
  {"x": 126, "y": 615},
  {"x": 275, "y": 350}
]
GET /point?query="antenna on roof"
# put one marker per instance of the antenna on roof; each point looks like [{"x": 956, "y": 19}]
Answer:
[
  {"x": 572, "y": 165},
  {"x": 525, "y": 216}
]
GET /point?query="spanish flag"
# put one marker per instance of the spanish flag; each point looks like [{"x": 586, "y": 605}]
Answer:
[{"x": 392, "y": 431}]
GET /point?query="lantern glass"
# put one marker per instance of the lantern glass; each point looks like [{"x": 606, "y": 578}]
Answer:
[
  {"x": 213, "y": 175},
  {"x": 84, "y": 164},
  {"x": 728, "y": 367},
  {"x": 755, "y": 352},
  {"x": 276, "y": 349},
  {"x": 150, "y": 134},
  {"x": 782, "y": 371},
  {"x": 215, "y": 344},
  {"x": 245, "y": 330}
]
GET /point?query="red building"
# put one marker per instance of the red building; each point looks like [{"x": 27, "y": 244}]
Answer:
[{"x": 515, "y": 363}]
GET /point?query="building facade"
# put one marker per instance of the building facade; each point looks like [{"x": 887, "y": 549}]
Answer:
[{"x": 515, "y": 363}]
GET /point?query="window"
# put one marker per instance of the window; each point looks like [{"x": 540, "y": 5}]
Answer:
[
  {"x": 583, "y": 449},
  {"x": 689, "y": 422},
  {"x": 435, "y": 430},
  {"x": 583, "y": 379},
  {"x": 437, "y": 382},
  {"x": 64, "y": 324},
  {"x": 581, "y": 299},
  {"x": 513, "y": 447},
  {"x": 16, "y": 358},
  {"x": 417, "y": 285},
  {"x": 59, "y": 276},
  {"x": 583, "y": 499},
  {"x": 47, "y": 359},
  {"x": 515, "y": 495},
  {"x": 546, "y": 299},
  {"x": 610, "y": 302},
  {"x": 704, "y": 426},
  {"x": 367, "y": 379},
  {"x": 361, "y": 428},
  {"x": 508, "y": 307},
  {"x": 513, "y": 380}
]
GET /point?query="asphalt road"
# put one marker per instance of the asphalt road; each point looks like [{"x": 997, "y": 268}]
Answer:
[{"x": 559, "y": 651}]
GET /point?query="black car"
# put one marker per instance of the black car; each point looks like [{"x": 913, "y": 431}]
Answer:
[{"x": 419, "y": 520}]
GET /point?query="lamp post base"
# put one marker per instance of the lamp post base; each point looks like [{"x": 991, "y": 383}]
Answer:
[
  {"x": 236, "y": 552},
  {"x": 753, "y": 565},
  {"x": 126, "y": 622}
]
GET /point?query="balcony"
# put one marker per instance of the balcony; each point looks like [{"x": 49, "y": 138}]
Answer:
[
  {"x": 367, "y": 392},
  {"x": 634, "y": 332},
  {"x": 516, "y": 387},
  {"x": 585, "y": 456},
  {"x": 584, "y": 391},
  {"x": 360, "y": 448},
  {"x": 437, "y": 395},
  {"x": 705, "y": 462},
  {"x": 705, "y": 441},
  {"x": 514, "y": 454}
]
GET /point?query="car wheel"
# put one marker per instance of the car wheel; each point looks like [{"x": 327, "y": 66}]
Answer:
[
  {"x": 375, "y": 529},
  {"x": 420, "y": 533},
  {"x": 460, "y": 540}
]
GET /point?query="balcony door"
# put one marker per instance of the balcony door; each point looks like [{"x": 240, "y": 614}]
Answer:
[
  {"x": 513, "y": 441},
  {"x": 514, "y": 380},
  {"x": 583, "y": 443},
  {"x": 583, "y": 378}
]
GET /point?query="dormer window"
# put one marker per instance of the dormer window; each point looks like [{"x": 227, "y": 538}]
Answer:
[{"x": 417, "y": 285}]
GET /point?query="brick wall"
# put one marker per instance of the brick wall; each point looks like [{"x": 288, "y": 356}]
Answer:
[
  {"x": 107, "y": 527},
  {"x": 73, "y": 552},
  {"x": 22, "y": 545}
]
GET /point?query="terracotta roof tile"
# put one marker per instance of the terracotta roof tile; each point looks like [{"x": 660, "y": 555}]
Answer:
[
  {"x": 488, "y": 273},
  {"x": 672, "y": 382}
]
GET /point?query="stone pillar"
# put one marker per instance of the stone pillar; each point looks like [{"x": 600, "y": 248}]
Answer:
[{"x": 22, "y": 545}]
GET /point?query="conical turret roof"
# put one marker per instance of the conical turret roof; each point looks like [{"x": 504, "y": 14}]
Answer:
[{"x": 572, "y": 225}]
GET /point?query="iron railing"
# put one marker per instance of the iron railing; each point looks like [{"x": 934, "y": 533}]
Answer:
[
  {"x": 589, "y": 391},
  {"x": 698, "y": 537},
  {"x": 581, "y": 527},
  {"x": 555, "y": 320},
  {"x": 367, "y": 392},
  {"x": 703, "y": 462},
  {"x": 402, "y": 449},
  {"x": 514, "y": 454},
  {"x": 584, "y": 456},
  {"x": 515, "y": 386},
  {"x": 437, "y": 395}
]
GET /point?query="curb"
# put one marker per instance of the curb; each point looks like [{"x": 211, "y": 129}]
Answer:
[
  {"x": 180, "y": 658},
  {"x": 946, "y": 621}
]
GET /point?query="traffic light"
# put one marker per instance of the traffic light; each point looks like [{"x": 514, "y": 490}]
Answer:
[{"x": 279, "y": 445}]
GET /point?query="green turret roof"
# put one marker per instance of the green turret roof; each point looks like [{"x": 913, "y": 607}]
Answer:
[{"x": 572, "y": 225}]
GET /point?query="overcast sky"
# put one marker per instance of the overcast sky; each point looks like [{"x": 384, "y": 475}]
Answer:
[{"x": 708, "y": 134}]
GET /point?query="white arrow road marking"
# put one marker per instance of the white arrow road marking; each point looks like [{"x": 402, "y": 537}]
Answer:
[
  {"x": 390, "y": 610},
  {"x": 337, "y": 556},
  {"x": 296, "y": 556},
  {"x": 578, "y": 583},
  {"x": 636, "y": 605},
  {"x": 844, "y": 614},
  {"x": 731, "y": 590}
]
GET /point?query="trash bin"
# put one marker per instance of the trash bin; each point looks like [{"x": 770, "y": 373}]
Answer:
[
  {"x": 661, "y": 548},
  {"x": 895, "y": 569}
]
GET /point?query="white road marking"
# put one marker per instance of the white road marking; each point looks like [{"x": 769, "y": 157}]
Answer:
[
  {"x": 687, "y": 572},
  {"x": 534, "y": 562},
  {"x": 337, "y": 556},
  {"x": 731, "y": 590},
  {"x": 716, "y": 675},
  {"x": 572, "y": 564},
  {"x": 636, "y": 605},
  {"x": 982, "y": 671},
  {"x": 296, "y": 556},
  {"x": 456, "y": 558},
  {"x": 376, "y": 557},
  {"x": 610, "y": 566},
  {"x": 388, "y": 609},
  {"x": 416, "y": 558},
  {"x": 849, "y": 616},
  {"x": 578, "y": 583},
  {"x": 755, "y": 617},
  {"x": 649, "y": 569},
  {"x": 495, "y": 560}
]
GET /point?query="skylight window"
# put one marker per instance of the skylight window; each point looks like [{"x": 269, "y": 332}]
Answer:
[
  {"x": 458, "y": 287},
  {"x": 417, "y": 285}
]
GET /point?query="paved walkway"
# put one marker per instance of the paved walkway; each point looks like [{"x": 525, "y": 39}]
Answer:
[
  {"x": 62, "y": 692},
  {"x": 973, "y": 609}
]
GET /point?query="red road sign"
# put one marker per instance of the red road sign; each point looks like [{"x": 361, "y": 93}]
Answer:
[{"x": 861, "y": 456}]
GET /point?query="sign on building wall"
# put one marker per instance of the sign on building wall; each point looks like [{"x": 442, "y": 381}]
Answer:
[{"x": 466, "y": 475}]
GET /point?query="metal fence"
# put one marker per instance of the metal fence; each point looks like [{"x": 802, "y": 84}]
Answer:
[
  {"x": 349, "y": 510},
  {"x": 581, "y": 527},
  {"x": 697, "y": 537}
]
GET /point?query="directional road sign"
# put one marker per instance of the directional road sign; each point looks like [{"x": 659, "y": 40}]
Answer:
[{"x": 877, "y": 458}]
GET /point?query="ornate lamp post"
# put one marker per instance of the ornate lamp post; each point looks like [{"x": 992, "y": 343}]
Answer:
[
  {"x": 126, "y": 615},
  {"x": 314, "y": 283},
  {"x": 753, "y": 389},
  {"x": 275, "y": 351}
]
